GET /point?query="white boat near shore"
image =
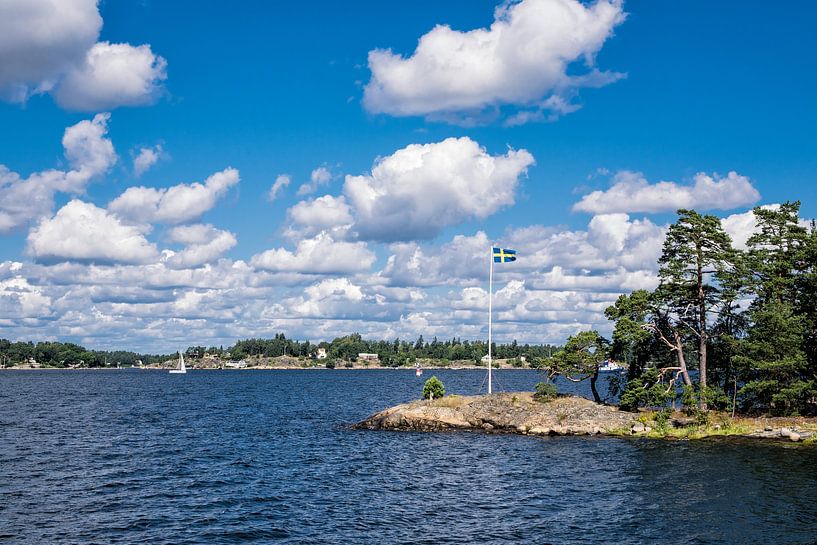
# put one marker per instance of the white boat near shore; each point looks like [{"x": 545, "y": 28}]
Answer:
[{"x": 610, "y": 366}]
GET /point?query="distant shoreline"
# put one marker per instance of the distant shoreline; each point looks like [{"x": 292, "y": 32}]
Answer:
[{"x": 268, "y": 368}]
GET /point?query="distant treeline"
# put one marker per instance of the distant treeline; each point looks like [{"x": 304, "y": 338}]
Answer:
[
  {"x": 391, "y": 353},
  {"x": 56, "y": 354}
]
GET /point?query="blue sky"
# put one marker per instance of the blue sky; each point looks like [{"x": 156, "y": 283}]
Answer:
[{"x": 643, "y": 93}]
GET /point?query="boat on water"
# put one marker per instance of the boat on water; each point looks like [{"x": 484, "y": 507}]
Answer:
[
  {"x": 181, "y": 369},
  {"x": 418, "y": 372},
  {"x": 610, "y": 366}
]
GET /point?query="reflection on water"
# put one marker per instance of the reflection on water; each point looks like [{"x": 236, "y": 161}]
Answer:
[{"x": 257, "y": 457}]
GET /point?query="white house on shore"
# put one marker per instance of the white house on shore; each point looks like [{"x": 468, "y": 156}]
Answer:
[
  {"x": 363, "y": 356},
  {"x": 321, "y": 355}
]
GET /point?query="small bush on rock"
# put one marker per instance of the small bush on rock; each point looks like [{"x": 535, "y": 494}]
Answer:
[
  {"x": 433, "y": 389},
  {"x": 545, "y": 391}
]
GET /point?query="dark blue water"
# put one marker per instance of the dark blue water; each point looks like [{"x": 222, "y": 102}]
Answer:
[{"x": 265, "y": 456}]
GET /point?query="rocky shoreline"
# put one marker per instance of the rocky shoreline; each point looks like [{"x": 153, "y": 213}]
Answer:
[{"x": 520, "y": 413}]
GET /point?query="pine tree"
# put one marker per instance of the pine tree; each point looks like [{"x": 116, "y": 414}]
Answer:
[
  {"x": 777, "y": 373},
  {"x": 580, "y": 359},
  {"x": 695, "y": 248}
]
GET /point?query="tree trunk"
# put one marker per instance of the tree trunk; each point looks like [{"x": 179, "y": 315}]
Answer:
[
  {"x": 593, "y": 378},
  {"x": 682, "y": 362},
  {"x": 703, "y": 337}
]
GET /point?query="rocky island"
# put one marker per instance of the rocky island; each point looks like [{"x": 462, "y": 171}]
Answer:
[{"x": 522, "y": 413}]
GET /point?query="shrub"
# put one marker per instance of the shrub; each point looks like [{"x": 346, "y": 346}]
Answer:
[
  {"x": 330, "y": 364},
  {"x": 645, "y": 391},
  {"x": 715, "y": 398},
  {"x": 545, "y": 391},
  {"x": 433, "y": 389},
  {"x": 662, "y": 418}
]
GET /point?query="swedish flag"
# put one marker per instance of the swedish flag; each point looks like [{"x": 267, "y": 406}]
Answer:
[{"x": 504, "y": 255}]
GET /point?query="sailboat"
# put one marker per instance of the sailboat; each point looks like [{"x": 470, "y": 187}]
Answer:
[{"x": 182, "y": 368}]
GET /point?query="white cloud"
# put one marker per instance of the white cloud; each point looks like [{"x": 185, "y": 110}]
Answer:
[
  {"x": 631, "y": 192},
  {"x": 319, "y": 255},
  {"x": 113, "y": 75},
  {"x": 521, "y": 60},
  {"x": 421, "y": 189},
  {"x": 330, "y": 298},
  {"x": 177, "y": 204},
  {"x": 463, "y": 259},
  {"x": 280, "y": 183},
  {"x": 40, "y": 40},
  {"x": 612, "y": 245},
  {"x": 82, "y": 232},
  {"x": 48, "y": 46},
  {"x": 321, "y": 214},
  {"x": 89, "y": 154},
  {"x": 204, "y": 243},
  {"x": 319, "y": 177},
  {"x": 19, "y": 298},
  {"x": 145, "y": 158}
]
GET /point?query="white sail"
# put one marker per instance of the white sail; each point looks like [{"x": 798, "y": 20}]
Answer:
[{"x": 182, "y": 368}]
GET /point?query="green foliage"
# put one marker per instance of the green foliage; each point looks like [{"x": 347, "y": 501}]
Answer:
[
  {"x": 645, "y": 391},
  {"x": 776, "y": 359},
  {"x": 545, "y": 391},
  {"x": 662, "y": 419},
  {"x": 330, "y": 363},
  {"x": 433, "y": 388},
  {"x": 580, "y": 359},
  {"x": 713, "y": 398}
]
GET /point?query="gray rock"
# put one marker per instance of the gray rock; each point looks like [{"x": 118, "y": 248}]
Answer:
[
  {"x": 487, "y": 426},
  {"x": 794, "y": 436},
  {"x": 784, "y": 432},
  {"x": 638, "y": 427}
]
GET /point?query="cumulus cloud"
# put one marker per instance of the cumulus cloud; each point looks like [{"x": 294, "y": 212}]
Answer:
[
  {"x": 83, "y": 232},
  {"x": 610, "y": 244},
  {"x": 145, "y": 158},
  {"x": 89, "y": 154},
  {"x": 113, "y": 75},
  {"x": 48, "y": 46},
  {"x": 19, "y": 298},
  {"x": 321, "y": 214},
  {"x": 463, "y": 259},
  {"x": 421, "y": 189},
  {"x": 522, "y": 59},
  {"x": 318, "y": 255},
  {"x": 280, "y": 183},
  {"x": 40, "y": 40},
  {"x": 328, "y": 297},
  {"x": 319, "y": 177},
  {"x": 631, "y": 192},
  {"x": 177, "y": 204},
  {"x": 204, "y": 243}
]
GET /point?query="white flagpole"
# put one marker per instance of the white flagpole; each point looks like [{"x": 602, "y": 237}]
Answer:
[{"x": 490, "y": 313}]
